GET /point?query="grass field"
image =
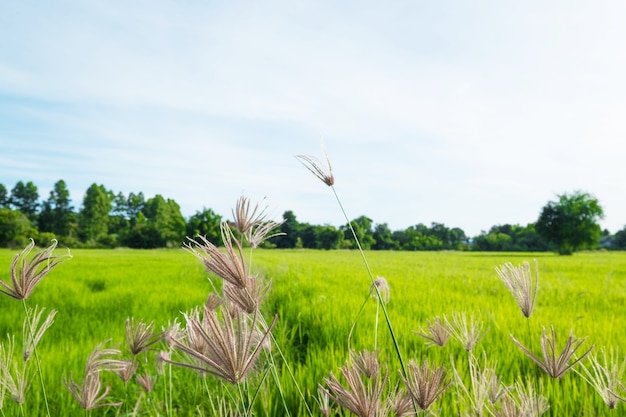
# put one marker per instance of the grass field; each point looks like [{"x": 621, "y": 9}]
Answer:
[{"x": 319, "y": 296}]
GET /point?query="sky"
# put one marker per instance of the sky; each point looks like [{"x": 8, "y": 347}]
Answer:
[{"x": 470, "y": 114}]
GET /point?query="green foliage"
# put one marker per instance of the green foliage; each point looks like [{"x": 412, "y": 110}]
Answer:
[
  {"x": 24, "y": 197},
  {"x": 510, "y": 238},
  {"x": 619, "y": 240},
  {"x": 15, "y": 228},
  {"x": 571, "y": 223},
  {"x": 205, "y": 223},
  {"x": 94, "y": 215},
  {"x": 4, "y": 196}
]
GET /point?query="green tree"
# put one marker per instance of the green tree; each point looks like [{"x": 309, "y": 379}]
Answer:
[
  {"x": 15, "y": 228},
  {"x": 327, "y": 237},
  {"x": 362, "y": 226},
  {"x": 619, "y": 240},
  {"x": 291, "y": 229},
  {"x": 205, "y": 223},
  {"x": 4, "y": 196},
  {"x": 384, "y": 238},
  {"x": 57, "y": 214},
  {"x": 571, "y": 223},
  {"x": 94, "y": 215},
  {"x": 25, "y": 198},
  {"x": 167, "y": 219}
]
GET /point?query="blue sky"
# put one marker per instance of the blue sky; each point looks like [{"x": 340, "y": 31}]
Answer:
[{"x": 465, "y": 113}]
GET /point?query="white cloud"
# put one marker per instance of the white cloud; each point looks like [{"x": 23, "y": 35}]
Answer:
[{"x": 470, "y": 114}]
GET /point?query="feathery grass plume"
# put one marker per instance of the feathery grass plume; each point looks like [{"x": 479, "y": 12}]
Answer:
[
  {"x": 485, "y": 389},
  {"x": 425, "y": 384},
  {"x": 171, "y": 331},
  {"x": 530, "y": 402},
  {"x": 365, "y": 362},
  {"x": 324, "y": 173},
  {"x": 129, "y": 367},
  {"x": 604, "y": 373},
  {"x": 231, "y": 345},
  {"x": 362, "y": 395},
  {"x": 26, "y": 273},
  {"x": 383, "y": 289},
  {"x": 553, "y": 366},
  {"x": 13, "y": 379},
  {"x": 146, "y": 381},
  {"x": 246, "y": 218},
  {"x": 467, "y": 333},
  {"x": 229, "y": 266},
  {"x": 324, "y": 401},
  {"x": 32, "y": 334},
  {"x": 250, "y": 297},
  {"x": 438, "y": 332},
  {"x": 92, "y": 394},
  {"x": 400, "y": 404},
  {"x": 140, "y": 336},
  {"x": 521, "y": 284},
  {"x": 261, "y": 233}
]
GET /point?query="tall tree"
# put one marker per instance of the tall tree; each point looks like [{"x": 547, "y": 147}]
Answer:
[
  {"x": 25, "y": 198},
  {"x": 167, "y": 219},
  {"x": 4, "y": 196},
  {"x": 383, "y": 237},
  {"x": 571, "y": 223},
  {"x": 94, "y": 215},
  {"x": 362, "y": 226},
  {"x": 291, "y": 229},
  {"x": 205, "y": 223},
  {"x": 57, "y": 214},
  {"x": 15, "y": 228}
]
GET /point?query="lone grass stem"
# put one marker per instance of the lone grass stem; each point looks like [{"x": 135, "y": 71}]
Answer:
[
  {"x": 373, "y": 279},
  {"x": 43, "y": 386}
]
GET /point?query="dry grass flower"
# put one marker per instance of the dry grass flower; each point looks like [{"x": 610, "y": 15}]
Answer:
[
  {"x": 13, "y": 378},
  {"x": 324, "y": 401},
  {"x": 146, "y": 381},
  {"x": 365, "y": 362},
  {"x": 140, "y": 336},
  {"x": 521, "y": 284},
  {"x": 425, "y": 384},
  {"x": 380, "y": 284},
  {"x": 555, "y": 366},
  {"x": 229, "y": 347},
  {"x": 128, "y": 370},
  {"x": 467, "y": 332},
  {"x": 34, "y": 331},
  {"x": 91, "y": 394},
  {"x": 485, "y": 389},
  {"x": 248, "y": 298},
  {"x": 26, "y": 272},
  {"x": 437, "y": 333},
  {"x": 530, "y": 402},
  {"x": 362, "y": 395},
  {"x": 229, "y": 266},
  {"x": 324, "y": 173},
  {"x": 605, "y": 373},
  {"x": 400, "y": 404}
]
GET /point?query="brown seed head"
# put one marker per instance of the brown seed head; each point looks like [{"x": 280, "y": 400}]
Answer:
[
  {"x": 26, "y": 273},
  {"x": 521, "y": 284}
]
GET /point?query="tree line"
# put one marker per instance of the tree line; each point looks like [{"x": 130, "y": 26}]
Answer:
[{"x": 107, "y": 219}]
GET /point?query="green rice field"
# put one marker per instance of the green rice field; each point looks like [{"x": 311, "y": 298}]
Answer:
[{"x": 319, "y": 297}]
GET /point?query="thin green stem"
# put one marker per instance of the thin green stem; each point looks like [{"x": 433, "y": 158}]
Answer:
[
  {"x": 32, "y": 338},
  {"x": 293, "y": 377},
  {"x": 371, "y": 275}
]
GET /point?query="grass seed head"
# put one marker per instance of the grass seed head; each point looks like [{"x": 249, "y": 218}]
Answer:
[
  {"x": 424, "y": 383},
  {"x": 27, "y": 272},
  {"x": 555, "y": 366},
  {"x": 521, "y": 283},
  {"x": 437, "y": 333},
  {"x": 324, "y": 173},
  {"x": 380, "y": 286}
]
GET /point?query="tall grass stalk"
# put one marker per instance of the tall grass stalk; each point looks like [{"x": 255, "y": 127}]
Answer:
[
  {"x": 37, "y": 361},
  {"x": 373, "y": 279}
]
